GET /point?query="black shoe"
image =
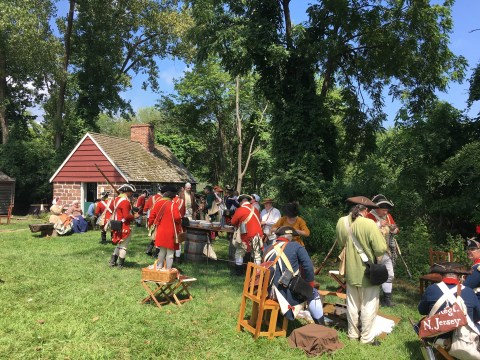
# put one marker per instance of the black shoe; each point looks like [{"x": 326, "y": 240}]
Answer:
[
  {"x": 320, "y": 321},
  {"x": 387, "y": 300},
  {"x": 121, "y": 262},
  {"x": 375, "y": 343},
  {"x": 113, "y": 260},
  {"x": 239, "y": 270}
]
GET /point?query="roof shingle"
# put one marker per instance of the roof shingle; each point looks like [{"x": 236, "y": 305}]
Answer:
[{"x": 139, "y": 165}]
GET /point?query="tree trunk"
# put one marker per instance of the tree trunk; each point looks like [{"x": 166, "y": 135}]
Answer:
[
  {"x": 3, "y": 96},
  {"x": 288, "y": 22},
  {"x": 239, "y": 135},
  {"x": 240, "y": 172},
  {"x": 63, "y": 79}
]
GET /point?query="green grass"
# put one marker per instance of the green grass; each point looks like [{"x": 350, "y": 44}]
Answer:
[{"x": 60, "y": 300}]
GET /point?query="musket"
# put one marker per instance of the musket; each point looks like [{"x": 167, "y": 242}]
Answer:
[
  {"x": 324, "y": 261},
  {"x": 400, "y": 253},
  {"x": 107, "y": 179}
]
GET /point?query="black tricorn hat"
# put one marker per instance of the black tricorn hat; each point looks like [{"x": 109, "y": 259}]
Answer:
[
  {"x": 168, "y": 188},
  {"x": 127, "y": 187},
  {"x": 382, "y": 202},
  {"x": 286, "y": 230},
  {"x": 473, "y": 243},
  {"x": 243, "y": 197},
  {"x": 450, "y": 268},
  {"x": 362, "y": 200}
]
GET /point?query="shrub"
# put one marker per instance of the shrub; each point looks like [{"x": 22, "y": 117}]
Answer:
[
  {"x": 414, "y": 242},
  {"x": 322, "y": 222}
]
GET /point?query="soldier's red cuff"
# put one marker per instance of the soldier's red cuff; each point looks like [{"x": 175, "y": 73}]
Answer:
[{"x": 312, "y": 283}]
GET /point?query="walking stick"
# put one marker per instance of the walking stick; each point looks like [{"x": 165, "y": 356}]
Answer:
[{"x": 324, "y": 261}]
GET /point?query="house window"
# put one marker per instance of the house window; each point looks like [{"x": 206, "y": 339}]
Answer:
[{"x": 91, "y": 193}]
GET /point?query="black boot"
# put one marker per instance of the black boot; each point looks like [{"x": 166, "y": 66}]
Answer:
[
  {"x": 320, "y": 321},
  {"x": 120, "y": 263},
  {"x": 149, "y": 249},
  {"x": 155, "y": 252},
  {"x": 239, "y": 270},
  {"x": 113, "y": 260},
  {"x": 103, "y": 241},
  {"x": 387, "y": 300}
]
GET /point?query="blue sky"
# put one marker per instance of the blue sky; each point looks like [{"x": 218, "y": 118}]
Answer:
[{"x": 463, "y": 42}]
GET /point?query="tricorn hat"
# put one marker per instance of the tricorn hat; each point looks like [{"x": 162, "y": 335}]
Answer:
[
  {"x": 450, "y": 268},
  {"x": 168, "y": 188},
  {"x": 127, "y": 187},
  {"x": 362, "y": 200},
  {"x": 473, "y": 243},
  {"x": 286, "y": 230},
  {"x": 382, "y": 201},
  {"x": 105, "y": 194},
  {"x": 243, "y": 197}
]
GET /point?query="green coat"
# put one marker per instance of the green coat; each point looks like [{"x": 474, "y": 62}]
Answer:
[{"x": 372, "y": 242}]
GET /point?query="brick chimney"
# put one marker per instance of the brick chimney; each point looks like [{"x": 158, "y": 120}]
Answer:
[{"x": 143, "y": 133}]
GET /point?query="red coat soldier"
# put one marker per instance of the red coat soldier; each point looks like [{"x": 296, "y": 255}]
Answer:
[
  {"x": 166, "y": 216},
  {"x": 121, "y": 211},
  {"x": 247, "y": 218}
]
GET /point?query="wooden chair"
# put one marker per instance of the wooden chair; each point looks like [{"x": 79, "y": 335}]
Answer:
[
  {"x": 263, "y": 310},
  {"x": 434, "y": 257}
]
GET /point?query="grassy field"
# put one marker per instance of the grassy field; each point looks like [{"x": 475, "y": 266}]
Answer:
[{"x": 60, "y": 300}]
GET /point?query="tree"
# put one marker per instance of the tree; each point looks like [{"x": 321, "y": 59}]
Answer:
[
  {"x": 218, "y": 112},
  {"x": 360, "y": 47},
  {"x": 110, "y": 42},
  {"x": 27, "y": 57}
]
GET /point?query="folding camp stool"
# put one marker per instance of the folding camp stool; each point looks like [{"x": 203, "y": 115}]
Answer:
[
  {"x": 335, "y": 274},
  {"x": 159, "y": 292},
  {"x": 181, "y": 289}
]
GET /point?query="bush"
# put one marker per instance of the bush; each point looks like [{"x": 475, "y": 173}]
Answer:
[
  {"x": 322, "y": 222},
  {"x": 414, "y": 241},
  {"x": 457, "y": 245}
]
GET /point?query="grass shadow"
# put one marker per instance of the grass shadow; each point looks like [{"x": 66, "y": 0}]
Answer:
[{"x": 414, "y": 348}]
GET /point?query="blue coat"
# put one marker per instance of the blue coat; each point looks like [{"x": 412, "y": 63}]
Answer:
[
  {"x": 298, "y": 256},
  {"x": 473, "y": 280},
  {"x": 433, "y": 293}
]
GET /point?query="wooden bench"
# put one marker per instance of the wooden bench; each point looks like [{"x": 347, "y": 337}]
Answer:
[{"x": 44, "y": 229}]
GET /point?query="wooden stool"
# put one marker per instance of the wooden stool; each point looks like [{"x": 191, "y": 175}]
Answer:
[
  {"x": 181, "y": 289},
  {"x": 335, "y": 274},
  {"x": 160, "y": 290}
]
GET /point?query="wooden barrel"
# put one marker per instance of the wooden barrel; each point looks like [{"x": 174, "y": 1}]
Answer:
[{"x": 194, "y": 244}]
